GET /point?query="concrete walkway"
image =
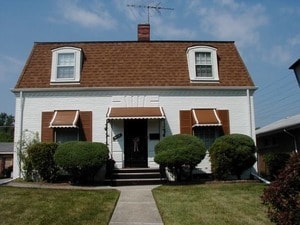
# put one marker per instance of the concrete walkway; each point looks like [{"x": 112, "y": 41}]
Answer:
[{"x": 136, "y": 206}]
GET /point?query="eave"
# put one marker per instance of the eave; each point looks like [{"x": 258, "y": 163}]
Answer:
[{"x": 64, "y": 89}]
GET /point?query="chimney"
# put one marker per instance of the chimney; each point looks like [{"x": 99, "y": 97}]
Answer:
[{"x": 144, "y": 32}]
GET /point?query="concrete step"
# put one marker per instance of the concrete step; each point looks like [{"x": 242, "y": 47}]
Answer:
[{"x": 136, "y": 176}]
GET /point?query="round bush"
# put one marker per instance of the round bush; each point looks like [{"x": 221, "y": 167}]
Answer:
[
  {"x": 81, "y": 159},
  {"x": 231, "y": 155},
  {"x": 41, "y": 157},
  {"x": 178, "y": 150}
]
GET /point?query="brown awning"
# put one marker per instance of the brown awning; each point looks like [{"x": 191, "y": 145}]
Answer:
[
  {"x": 64, "y": 119},
  {"x": 205, "y": 117},
  {"x": 135, "y": 113}
]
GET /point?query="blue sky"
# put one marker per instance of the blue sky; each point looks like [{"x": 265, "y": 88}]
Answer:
[{"x": 266, "y": 33}]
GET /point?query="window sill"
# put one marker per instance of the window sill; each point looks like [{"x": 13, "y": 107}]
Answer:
[
  {"x": 64, "y": 82},
  {"x": 204, "y": 81}
]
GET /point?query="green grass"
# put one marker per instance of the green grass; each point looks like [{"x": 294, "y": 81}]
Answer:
[
  {"x": 212, "y": 204},
  {"x": 48, "y": 206}
]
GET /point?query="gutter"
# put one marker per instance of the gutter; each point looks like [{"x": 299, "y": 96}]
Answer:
[{"x": 55, "y": 89}]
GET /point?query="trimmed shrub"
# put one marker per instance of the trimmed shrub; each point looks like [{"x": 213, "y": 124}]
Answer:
[
  {"x": 231, "y": 155},
  {"x": 41, "y": 158},
  {"x": 81, "y": 159},
  {"x": 178, "y": 150},
  {"x": 275, "y": 162},
  {"x": 283, "y": 195}
]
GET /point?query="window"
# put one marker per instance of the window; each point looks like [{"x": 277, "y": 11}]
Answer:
[
  {"x": 66, "y": 134},
  {"x": 208, "y": 134},
  {"x": 66, "y": 65},
  {"x": 202, "y": 63}
]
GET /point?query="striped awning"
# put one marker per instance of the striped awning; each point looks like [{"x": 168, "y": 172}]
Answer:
[
  {"x": 135, "y": 113},
  {"x": 205, "y": 117},
  {"x": 64, "y": 119}
]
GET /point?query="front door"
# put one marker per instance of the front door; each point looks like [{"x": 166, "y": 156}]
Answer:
[{"x": 135, "y": 145}]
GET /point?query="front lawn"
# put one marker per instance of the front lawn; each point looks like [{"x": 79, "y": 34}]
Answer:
[
  {"x": 212, "y": 204},
  {"x": 49, "y": 206}
]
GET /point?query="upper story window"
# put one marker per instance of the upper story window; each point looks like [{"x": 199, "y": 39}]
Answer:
[
  {"x": 66, "y": 65},
  {"x": 202, "y": 63}
]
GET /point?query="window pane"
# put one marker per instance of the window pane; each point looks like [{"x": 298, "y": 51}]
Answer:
[
  {"x": 203, "y": 71},
  {"x": 197, "y": 58},
  {"x": 208, "y": 134},
  {"x": 208, "y": 58},
  {"x": 66, "y": 59},
  {"x": 66, "y": 134},
  {"x": 65, "y": 72},
  {"x": 203, "y": 58}
]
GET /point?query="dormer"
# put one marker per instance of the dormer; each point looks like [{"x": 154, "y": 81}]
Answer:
[
  {"x": 202, "y": 64},
  {"x": 66, "y": 65}
]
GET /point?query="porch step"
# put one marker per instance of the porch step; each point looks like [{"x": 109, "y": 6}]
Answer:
[{"x": 136, "y": 176}]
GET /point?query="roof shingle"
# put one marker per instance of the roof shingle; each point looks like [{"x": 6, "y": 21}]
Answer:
[{"x": 134, "y": 64}]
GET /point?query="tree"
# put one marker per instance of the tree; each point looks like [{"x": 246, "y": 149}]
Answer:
[
  {"x": 231, "y": 155},
  {"x": 178, "y": 150},
  {"x": 6, "y": 127},
  {"x": 283, "y": 195}
]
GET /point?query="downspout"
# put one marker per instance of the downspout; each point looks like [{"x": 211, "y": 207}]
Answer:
[
  {"x": 19, "y": 153},
  {"x": 260, "y": 178},
  {"x": 255, "y": 166},
  {"x": 250, "y": 112},
  {"x": 294, "y": 137}
]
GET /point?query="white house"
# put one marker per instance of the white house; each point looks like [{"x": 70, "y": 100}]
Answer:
[{"x": 130, "y": 94}]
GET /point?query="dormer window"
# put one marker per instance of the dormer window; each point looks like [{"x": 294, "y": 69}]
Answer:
[
  {"x": 202, "y": 63},
  {"x": 66, "y": 65}
]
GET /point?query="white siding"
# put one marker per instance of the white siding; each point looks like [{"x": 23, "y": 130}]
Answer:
[{"x": 172, "y": 101}]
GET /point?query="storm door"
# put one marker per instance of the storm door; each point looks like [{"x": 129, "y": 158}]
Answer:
[{"x": 135, "y": 143}]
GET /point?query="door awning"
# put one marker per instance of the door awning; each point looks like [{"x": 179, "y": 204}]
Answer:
[
  {"x": 135, "y": 113},
  {"x": 64, "y": 119},
  {"x": 205, "y": 117}
]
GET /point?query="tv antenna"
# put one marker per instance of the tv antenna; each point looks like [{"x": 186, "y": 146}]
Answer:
[{"x": 156, "y": 7}]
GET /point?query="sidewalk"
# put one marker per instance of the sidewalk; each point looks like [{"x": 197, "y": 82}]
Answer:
[{"x": 136, "y": 206}]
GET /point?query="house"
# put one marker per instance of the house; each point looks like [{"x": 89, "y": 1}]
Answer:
[
  {"x": 130, "y": 94},
  {"x": 6, "y": 157},
  {"x": 279, "y": 137}
]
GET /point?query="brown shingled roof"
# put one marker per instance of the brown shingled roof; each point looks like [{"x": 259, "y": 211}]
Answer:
[{"x": 134, "y": 64}]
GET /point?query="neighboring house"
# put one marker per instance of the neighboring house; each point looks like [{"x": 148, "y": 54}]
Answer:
[
  {"x": 130, "y": 94},
  {"x": 6, "y": 156},
  {"x": 280, "y": 136}
]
